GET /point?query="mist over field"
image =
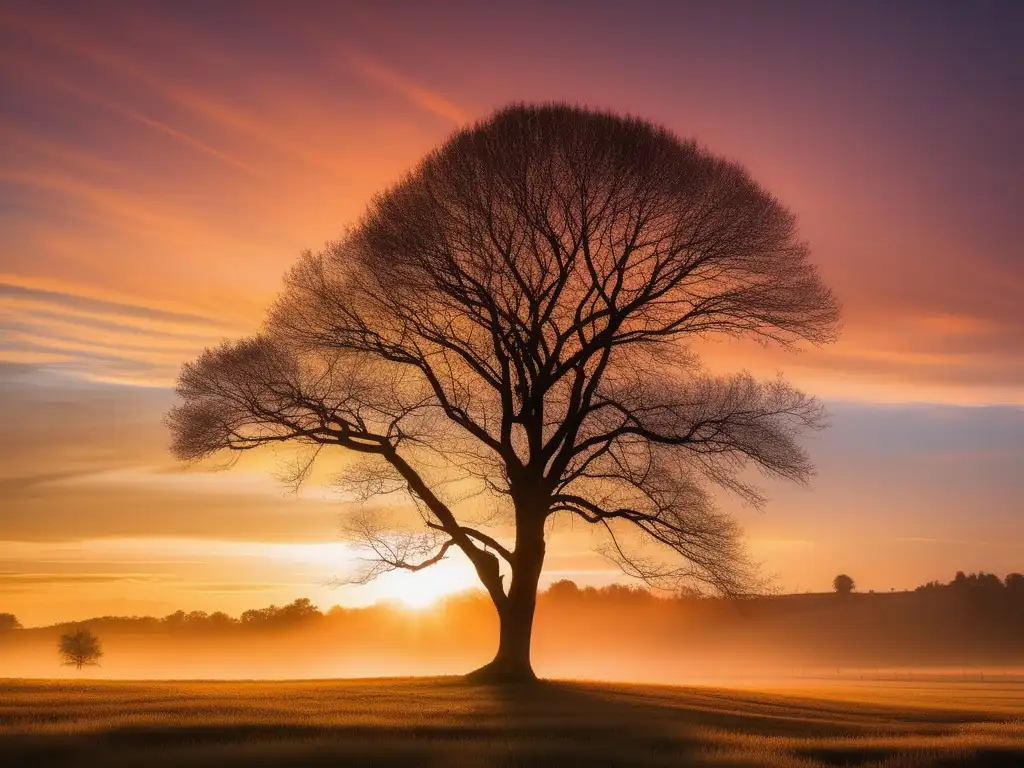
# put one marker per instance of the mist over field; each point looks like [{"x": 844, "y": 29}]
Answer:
[{"x": 613, "y": 633}]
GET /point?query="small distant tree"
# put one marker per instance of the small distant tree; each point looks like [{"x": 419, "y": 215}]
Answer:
[
  {"x": 80, "y": 648},
  {"x": 9, "y": 622},
  {"x": 1015, "y": 583},
  {"x": 843, "y": 584}
]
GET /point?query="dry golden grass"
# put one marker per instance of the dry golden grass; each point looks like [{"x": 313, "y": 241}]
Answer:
[{"x": 445, "y": 721}]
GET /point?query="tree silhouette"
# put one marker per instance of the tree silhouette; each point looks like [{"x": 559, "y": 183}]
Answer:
[
  {"x": 9, "y": 622},
  {"x": 80, "y": 648},
  {"x": 843, "y": 584},
  {"x": 503, "y": 337}
]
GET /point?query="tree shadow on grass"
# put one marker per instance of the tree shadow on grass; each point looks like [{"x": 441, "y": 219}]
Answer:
[{"x": 544, "y": 724}]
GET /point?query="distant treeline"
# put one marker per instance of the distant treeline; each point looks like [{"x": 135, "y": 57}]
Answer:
[
  {"x": 979, "y": 584},
  {"x": 615, "y": 632},
  {"x": 970, "y": 587}
]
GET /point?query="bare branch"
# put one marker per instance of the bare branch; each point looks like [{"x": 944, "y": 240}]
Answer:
[
  {"x": 391, "y": 550},
  {"x": 484, "y": 539}
]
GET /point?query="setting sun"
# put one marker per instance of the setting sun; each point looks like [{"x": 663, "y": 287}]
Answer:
[{"x": 423, "y": 589}]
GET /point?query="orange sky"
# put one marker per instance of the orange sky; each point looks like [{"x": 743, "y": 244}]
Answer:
[{"x": 160, "y": 168}]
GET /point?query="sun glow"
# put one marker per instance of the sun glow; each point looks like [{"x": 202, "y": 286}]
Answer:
[{"x": 423, "y": 589}]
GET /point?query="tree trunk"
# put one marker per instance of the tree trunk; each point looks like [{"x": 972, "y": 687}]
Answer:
[{"x": 511, "y": 664}]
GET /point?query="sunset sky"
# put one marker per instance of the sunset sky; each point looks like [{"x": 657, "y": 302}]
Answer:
[{"x": 162, "y": 164}]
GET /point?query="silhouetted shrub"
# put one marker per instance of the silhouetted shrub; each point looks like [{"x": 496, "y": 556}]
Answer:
[{"x": 80, "y": 648}]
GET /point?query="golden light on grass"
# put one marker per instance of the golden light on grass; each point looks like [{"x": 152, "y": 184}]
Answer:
[{"x": 443, "y": 721}]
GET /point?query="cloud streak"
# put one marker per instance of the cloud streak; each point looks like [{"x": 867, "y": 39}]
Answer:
[
  {"x": 429, "y": 100},
  {"x": 15, "y": 288},
  {"x": 131, "y": 341}
]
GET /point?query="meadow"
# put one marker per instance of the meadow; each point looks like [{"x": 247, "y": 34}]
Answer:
[{"x": 447, "y": 721}]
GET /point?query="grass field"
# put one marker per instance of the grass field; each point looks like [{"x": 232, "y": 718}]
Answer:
[{"x": 445, "y": 721}]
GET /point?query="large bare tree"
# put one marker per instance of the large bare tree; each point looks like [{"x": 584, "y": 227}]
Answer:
[{"x": 504, "y": 336}]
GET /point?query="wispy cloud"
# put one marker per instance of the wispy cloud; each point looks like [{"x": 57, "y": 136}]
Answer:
[
  {"x": 127, "y": 112},
  {"x": 20, "y": 288},
  {"x": 34, "y": 579},
  {"x": 66, "y": 326},
  {"x": 422, "y": 97},
  {"x": 229, "y": 588},
  {"x": 959, "y": 542}
]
